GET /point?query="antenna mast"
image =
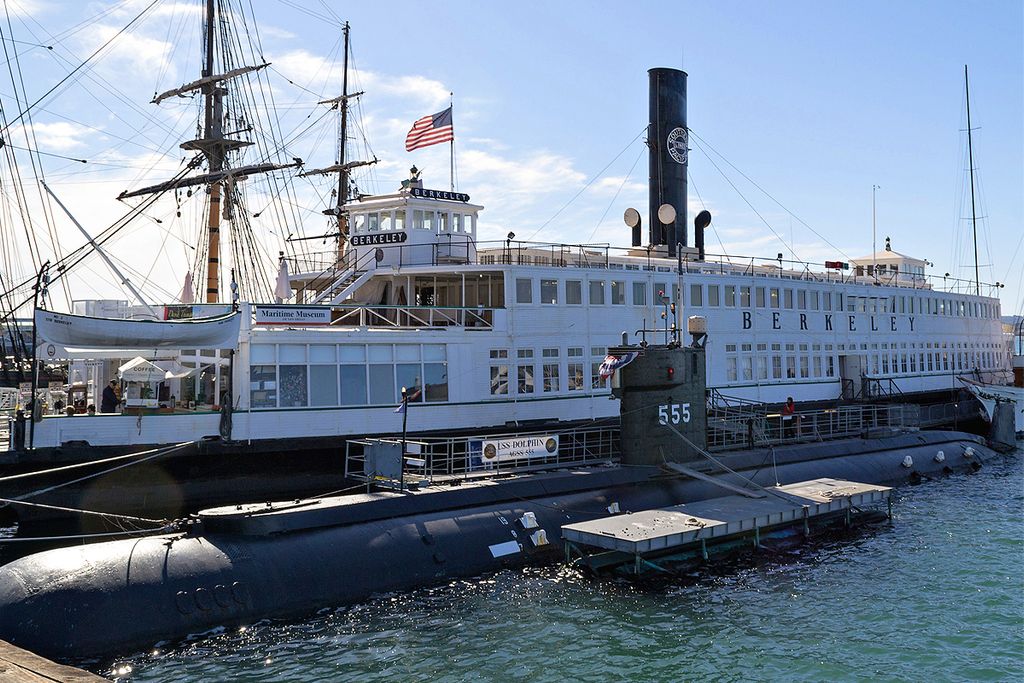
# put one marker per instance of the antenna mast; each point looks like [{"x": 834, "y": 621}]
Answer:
[{"x": 970, "y": 160}]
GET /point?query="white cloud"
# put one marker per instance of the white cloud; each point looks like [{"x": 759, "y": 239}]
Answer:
[{"x": 56, "y": 137}]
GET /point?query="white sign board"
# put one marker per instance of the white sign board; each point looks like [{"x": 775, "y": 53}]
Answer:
[
  {"x": 293, "y": 315},
  {"x": 516, "y": 448}
]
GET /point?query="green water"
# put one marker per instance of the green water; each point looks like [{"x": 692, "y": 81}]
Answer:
[{"x": 938, "y": 595}]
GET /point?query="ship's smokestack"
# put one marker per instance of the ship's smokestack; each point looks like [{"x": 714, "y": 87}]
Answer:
[{"x": 667, "y": 140}]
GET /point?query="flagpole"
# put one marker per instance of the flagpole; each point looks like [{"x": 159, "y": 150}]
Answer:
[
  {"x": 451, "y": 144},
  {"x": 405, "y": 423}
]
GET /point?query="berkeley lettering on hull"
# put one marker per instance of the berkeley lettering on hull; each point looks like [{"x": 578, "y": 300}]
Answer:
[
  {"x": 379, "y": 238},
  {"x": 438, "y": 194},
  {"x": 514, "y": 449},
  {"x": 829, "y": 322},
  {"x": 292, "y": 315}
]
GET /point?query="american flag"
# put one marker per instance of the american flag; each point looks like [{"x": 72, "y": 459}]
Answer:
[
  {"x": 430, "y": 130},
  {"x": 613, "y": 363}
]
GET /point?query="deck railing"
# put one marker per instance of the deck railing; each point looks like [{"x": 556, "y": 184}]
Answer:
[
  {"x": 453, "y": 459},
  {"x": 604, "y": 256}
]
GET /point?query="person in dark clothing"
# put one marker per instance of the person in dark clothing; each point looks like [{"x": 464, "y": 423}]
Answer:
[{"x": 108, "y": 404}]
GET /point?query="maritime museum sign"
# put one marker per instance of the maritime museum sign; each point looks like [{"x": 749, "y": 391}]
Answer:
[{"x": 293, "y": 315}]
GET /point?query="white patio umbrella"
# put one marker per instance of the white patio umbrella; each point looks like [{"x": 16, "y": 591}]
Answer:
[
  {"x": 283, "y": 290},
  {"x": 187, "y": 295}
]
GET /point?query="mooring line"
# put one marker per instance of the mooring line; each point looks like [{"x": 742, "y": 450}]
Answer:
[{"x": 115, "y": 458}]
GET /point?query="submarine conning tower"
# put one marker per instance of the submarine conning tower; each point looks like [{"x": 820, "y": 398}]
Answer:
[
  {"x": 668, "y": 144},
  {"x": 663, "y": 404}
]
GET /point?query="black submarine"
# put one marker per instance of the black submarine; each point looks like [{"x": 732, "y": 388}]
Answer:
[{"x": 239, "y": 564}]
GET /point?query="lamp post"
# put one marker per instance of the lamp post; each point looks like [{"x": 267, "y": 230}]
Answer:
[{"x": 508, "y": 246}]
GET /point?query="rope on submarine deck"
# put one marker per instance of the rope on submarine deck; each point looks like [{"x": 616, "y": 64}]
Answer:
[{"x": 161, "y": 524}]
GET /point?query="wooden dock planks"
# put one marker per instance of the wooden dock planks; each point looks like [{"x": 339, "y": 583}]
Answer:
[{"x": 22, "y": 666}]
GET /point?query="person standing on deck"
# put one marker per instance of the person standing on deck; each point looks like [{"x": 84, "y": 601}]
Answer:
[{"x": 108, "y": 403}]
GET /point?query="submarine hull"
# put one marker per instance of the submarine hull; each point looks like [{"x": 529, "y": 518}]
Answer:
[{"x": 121, "y": 596}]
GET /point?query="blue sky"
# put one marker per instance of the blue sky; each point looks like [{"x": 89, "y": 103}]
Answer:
[{"x": 814, "y": 101}]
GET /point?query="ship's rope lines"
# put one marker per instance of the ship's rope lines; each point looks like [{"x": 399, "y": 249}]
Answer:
[
  {"x": 625, "y": 180},
  {"x": 271, "y": 147},
  {"x": 587, "y": 184},
  {"x": 73, "y": 258},
  {"x": 765, "y": 192},
  {"x": 305, "y": 10},
  {"x": 31, "y": 143},
  {"x": 151, "y": 455},
  {"x": 768, "y": 225},
  {"x": 718, "y": 236},
  {"x": 110, "y": 516},
  {"x": 83, "y": 537},
  {"x": 87, "y": 62},
  {"x": 367, "y": 153}
]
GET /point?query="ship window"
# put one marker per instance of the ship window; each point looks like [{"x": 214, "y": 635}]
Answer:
[
  {"x": 773, "y": 295},
  {"x": 400, "y": 219},
  {"x": 618, "y": 292},
  {"x": 817, "y": 366},
  {"x": 322, "y": 353},
  {"x": 575, "y": 380},
  {"x": 827, "y": 301},
  {"x": 469, "y": 224},
  {"x": 385, "y": 221},
  {"x": 442, "y": 222},
  {"x": 353, "y": 385},
  {"x": 291, "y": 353},
  {"x": 373, "y": 222},
  {"x": 260, "y": 353},
  {"x": 499, "y": 377},
  {"x": 830, "y": 367},
  {"x": 762, "y": 367},
  {"x": 293, "y": 392},
  {"x": 428, "y": 221},
  {"x": 524, "y": 291},
  {"x": 745, "y": 347},
  {"x": 551, "y": 375},
  {"x": 407, "y": 352},
  {"x": 573, "y": 292},
  {"x": 380, "y": 352},
  {"x": 323, "y": 385},
  {"x": 352, "y": 354},
  {"x": 787, "y": 296},
  {"x": 575, "y": 352},
  {"x": 639, "y": 293},
  {"x": 357, "y": 223},
  {"x": 713, "y": 295},
  {"x": 382, "y": 383},
  {"x": 456, "y": 222},
  {"x": 596, "y": 292},
  {"x": 661, "y": 291},
  {"x": 730, "y": 368},
  {"x": 408, "y": 375},
  {"x": 730, "y": 348},
  {"x": 434, "y": 352},
  {"x": 435, "y": 381},
  {"x": 263, "y": 386},
  {"x": 790, "y": 367},
  {"x": 801, "y": 299},
  {"x": 730, "y": 295},
  {"x": 745, "y": 296},
  {"x": 815, "y": 300},
  {"x": 748, "y": 371},
  {"x": 803, "y": 367},
  {"x": 776, "y": 367},
  {"x": 549, "y": 291},
  {"x": 759, "y": 298},
  {"x": 696, "y": 295}
]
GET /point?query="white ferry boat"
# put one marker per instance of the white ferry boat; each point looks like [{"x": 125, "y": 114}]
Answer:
[{"x": 508, "y": 336}]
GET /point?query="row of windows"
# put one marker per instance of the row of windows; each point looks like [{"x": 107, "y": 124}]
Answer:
[
  {"x": 324, "y": 375},
  {"x": 515, "y": 374},
  {"x": 621, "y": 292},
  {"x": 804, "y": 361},
  {"x": 813, "y": 300},
  {"x": 420, "y": 219},
  {"x": 598, "y": 292}
]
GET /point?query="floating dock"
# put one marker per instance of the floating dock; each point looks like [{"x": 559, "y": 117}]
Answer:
[{"x": 640, "y": 536}]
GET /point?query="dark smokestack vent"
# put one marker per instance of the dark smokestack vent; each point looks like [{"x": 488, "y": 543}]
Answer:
[
  {"x": 632, "y": 219},
  {"x": 702, "y": 221},
  {"x": 667, "y": 140}
]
